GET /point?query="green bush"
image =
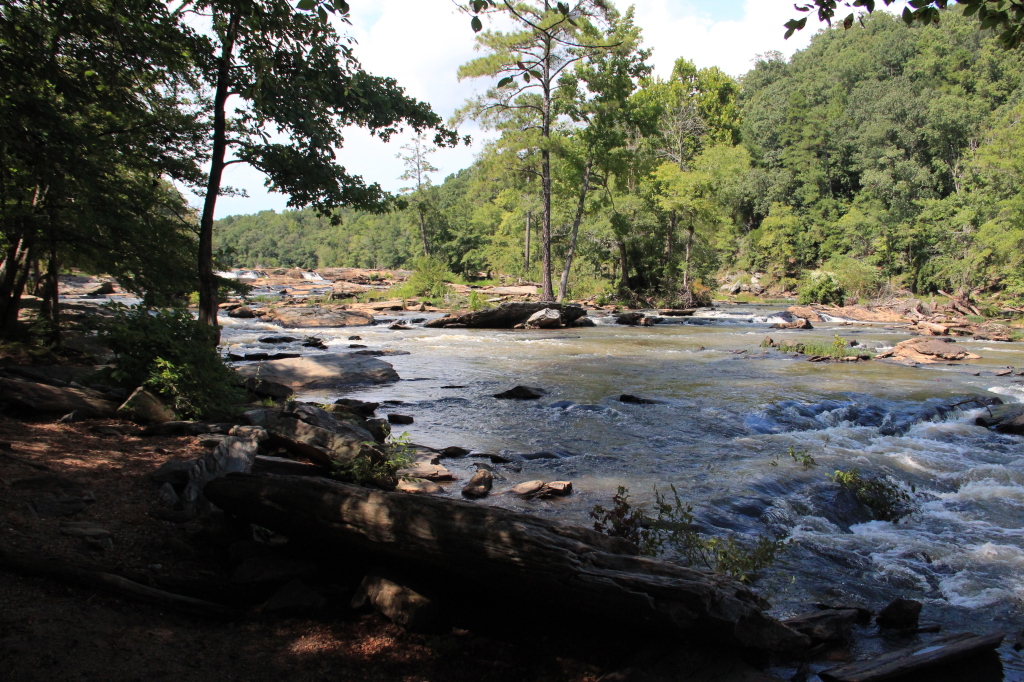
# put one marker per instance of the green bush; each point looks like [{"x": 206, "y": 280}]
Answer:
[
  {"x": 822, "y": 287},
  {"x": 430, "y": 277},
  {"x": 856, "y": 277},
  {"x": 672, "y": 530},
  {"x": 173, "y": 354}
]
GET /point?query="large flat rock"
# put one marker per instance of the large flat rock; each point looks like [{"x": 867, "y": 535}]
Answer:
[
  {"x": 307, "y": 318},
  {"x": 507, "y": 315},
  {"x": 44, "y": 398},
  {"x": 323, "y": 371}
]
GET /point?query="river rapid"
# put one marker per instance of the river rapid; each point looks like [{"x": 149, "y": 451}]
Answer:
[{"x": 729, "y": 413}]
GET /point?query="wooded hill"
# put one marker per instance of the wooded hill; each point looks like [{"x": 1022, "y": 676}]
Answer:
[{"x": 892, "y": 156}]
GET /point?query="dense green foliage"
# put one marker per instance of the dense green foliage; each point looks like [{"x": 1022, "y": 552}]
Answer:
[
  {"x": 171, "y": 353},
  {"x": 889, "y": 156}
]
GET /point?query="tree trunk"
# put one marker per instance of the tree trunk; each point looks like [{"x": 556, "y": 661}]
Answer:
[
  {"x": 529, "y": 214},
  {"x": 563, "y": 285},
  {"x": 548, "y": 293},
  {"x": 686, "y": 262},
  {"x": 207, "y": 279},
  {"x": 518, "y": 560},
  {"x": 423, "y": 232},
  {"x": 624, "y": 265},
  {"x": 13, "y": 276},
  {"x": 49, "y": 309}
]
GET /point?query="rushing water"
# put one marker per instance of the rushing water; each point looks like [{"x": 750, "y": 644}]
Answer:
[{"x": 730, "y": 412}]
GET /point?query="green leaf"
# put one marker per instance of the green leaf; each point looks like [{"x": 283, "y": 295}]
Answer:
[
  {"x": 476, "y": 24},
  {"x": 323, "y": 14},
  {"x": 306, "y": 5},
  {"x": 341, "y": 6},
  {"x": 505, "y": 81},
  {"x": 848, "y": 21}
]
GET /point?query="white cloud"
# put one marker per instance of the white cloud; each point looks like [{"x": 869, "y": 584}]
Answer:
[{"x": 421, "y": 44}]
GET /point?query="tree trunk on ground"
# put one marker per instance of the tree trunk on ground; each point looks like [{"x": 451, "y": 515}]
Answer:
[
  {"x": 207, "y": 279},
  {"x": 563, "y": 285},
  {"x": 520, "y": 561}
]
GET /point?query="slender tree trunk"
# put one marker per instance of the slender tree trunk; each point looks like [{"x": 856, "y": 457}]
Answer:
[
  {"x": 207, "y": 280},
  {"x": 548, "y": 293},
  {"x": 529, "y": 215},
  {"x": 563, "y": 285},
  {"x": 50, "y": 290},
  {"x": 423, "y": 232},
  {"x": 686, "y": 265},
  {"x": 624, "y": 265},
  {"x": 13, "y": 276}
]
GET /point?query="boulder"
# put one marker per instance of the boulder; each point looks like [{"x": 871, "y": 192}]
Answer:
[
  {"x": 43, "y": 398},
  {"x": 825, "y": 625},
  {"x": 360, "y": 407},
  {"x": 1004, "y": 418},
  {"x": 231, "y": 456},
  {"x": 311, "y": 318},
  {"x": 242, "y": 312},
  {"x": 791, "y": 321},
  {"x": 418, "y": 486},
  {"x": 145, "y": 408},
  {"x": 538, "y": 489},
  {"x": 400, "y": 419},
  {"x": 317, "y": 444},
  {"x": 403, "y": 605},
  {"x": 735, "y": 288},
  {"x": 927, "y": 350},
  {"x": 993, "y": 331},
  {"x": 278, "y": 339},
  {"x": 262, "y": 388},
  {"x": 630, "y": 319},
  {"x": 861, "y": 313},
  {"x": 583, "y": 322},
  {"x": 806, "y": 312},
  {"x": 548, "y": 318},
  {"x": 520, "y": 393},
  {"x": 900, "y": 614},
  {"x": 427, "y": 471},
  {"x": 480, "y": 485},
  {"x": 323, "y": 371},
  {"x": 635, "y": 400},
  {"x": 507, "y": 315},
  {"x": 174, "y": 472}
]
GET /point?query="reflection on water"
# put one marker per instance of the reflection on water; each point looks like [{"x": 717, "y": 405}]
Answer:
[{"x": 729, "y": 409}]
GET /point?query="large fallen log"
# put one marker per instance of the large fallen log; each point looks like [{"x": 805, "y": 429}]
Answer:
[
  {"x": 898, "y": 664},
  {"x": 526, "y": 564}
]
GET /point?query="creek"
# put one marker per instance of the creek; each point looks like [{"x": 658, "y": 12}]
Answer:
[{"x": 729, "y": 412}]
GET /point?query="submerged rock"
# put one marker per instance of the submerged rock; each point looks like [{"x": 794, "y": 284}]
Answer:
[
  {"x": 323, "y": 371},
  {"x": 300, "y": 318},
  {"x": 520, "y": 393},
  {"x": 1004, "y": 418}
]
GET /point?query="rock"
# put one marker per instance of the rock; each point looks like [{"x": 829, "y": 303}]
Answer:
[
  {"x": 756, "y": 289},
  {"x": 539, "y": 489},
  {"x": 174, "y": 472},
  {"x": 993, "y": 331},
  {"x": 262, "y": 388},
  {"x": 805, "y": 312},
  {"x": 303, "y": 318},
  {"x": 635, "y": 400},
  {"x": 520, "y": 393},
  {"x": 480, "y": 485},
  {"x": 900, "y": 614},
  {"x": 43, "y": 398},
  {"x": 278, "y": 339},
  {"x": 256, "y": 433},
  {"x": 677, "y": 312},
  {"x": 318, "y": 445},
  {"x": 735, "y": 288},
  {"x": 860, "y": 313},
  {"x": 380, "y": 352},
  {"x": 401, "y": 604},
  {"x": 232, "y": 455},
  {"x": 548, "y": 318},
  {"x": 453, "y": 451},
  {"x": 318, "y": 344},
  {"x": 583, "y": 322},
  {"x": 317, "y": 416},
  {"x": 295, "y": 599},
  {"x": 269, "y": 569},
  {"x": 400, "y": 326},
  {"x": 798, "y": 323},
  {"x": 828, "y": 625},
  {"x": 427, "y": 471},
  {"x": 168, "y": 496},
  {"x": 145, "y": 408},
  {"x": 768, "y": 342},
  {"x": 527, "y": 488},
  {"x": 394, "y": 418},
  {"x": 50, "y": 505},
  {"x": 360, "y": 407},
  {"x": 323, "y": 371},
  {"x": 83, "y": 529},
  {"x": 556, "y": 489},
  {"x": 507, "y": 315},
  {"x": 1004, "y": 418},
  {"x": 280, "y": 466},
  {"x": 418, "y": 486},
  {"x": 927, "y": 350},
  {"x": 187, "y": 428},
  {"x": 242, "y": 313},
  {"x": 631, "y": 319}
]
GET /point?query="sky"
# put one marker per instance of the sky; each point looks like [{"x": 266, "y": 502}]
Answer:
[{"x": 421, "y": 44}]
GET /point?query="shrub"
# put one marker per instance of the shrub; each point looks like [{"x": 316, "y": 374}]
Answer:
[
  {"x": 673, "y": 530},
  {"x": 430, "y": 277},
  {"x": 173, "y": 354},
  {"x": 856, "y": 277},
  {"x": 377, "y": 465},
  {"x": 886, "y": 499},
  {"x": 822, "y": 287}
]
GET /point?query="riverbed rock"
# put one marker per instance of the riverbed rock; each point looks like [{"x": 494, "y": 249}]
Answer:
[
  {"x": 825, "y": 625},
  {"x": 520, "y": 393},
  {"x": 480, "y": 485},
  {"x": 1004, "y": 418},
  {"x": 636, "y": 400},
  {"x": 418, "y": 486},
  {"x": 43, "y": 398},
  {"x": 264, "y": 388},
  {"x": 861, "y": 313},
  {"x": 549, "y": 318},
  {"x": 583, "y": 322},
  {"x": 145, "y": 408},
  {"x": 278, "y": 339},
  {"x": 394, "y": 418},
  {"x": 900, "y": 614},
  {"x": 631, "y": 319},
  {"x": 537, "y": 489},
  {"x": 242, "y": 312},
  {"x": 507, "y": 315},
  {"x": 790, "y": 321},
  {"x": 927, "y": 350},
  {"x": 231, "y": 456},
  {"x": 806, "y": 312},
  {"x": 993, "y": 331},
  {"x": 309, "y": 318},
  {"x": 323, "y": 371},
  {"x": 427, "y": 471}
]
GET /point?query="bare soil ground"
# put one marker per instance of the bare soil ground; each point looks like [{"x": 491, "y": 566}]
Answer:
[{"x": 54, "y": 631}]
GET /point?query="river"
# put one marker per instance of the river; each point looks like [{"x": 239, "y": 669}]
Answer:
[{"x": 729, "y": 414}]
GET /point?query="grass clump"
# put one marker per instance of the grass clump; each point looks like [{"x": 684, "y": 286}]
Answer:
[
  {"x": 671, "y": 531},
  {"x": 377, "y": 465},
  {"x": 801, "y": 457},
  {"x": 835, "y": 350},
  {"x": 886, "y": 499}
]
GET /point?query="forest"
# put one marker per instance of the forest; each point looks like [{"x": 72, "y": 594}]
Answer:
[{"x": 890, "y": 157}]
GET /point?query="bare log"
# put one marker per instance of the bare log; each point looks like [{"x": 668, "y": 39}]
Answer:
[
  {"x": 519, "y": 559},
  {"x": 109, "y": 582}
]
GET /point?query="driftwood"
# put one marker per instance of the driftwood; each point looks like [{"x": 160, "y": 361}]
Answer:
[
  {"x": 520, "y": 561},
  {"x": 507, "y": 315},
  {"x": 109, "y": 582},
  {"x": 900, "y": 663}
]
